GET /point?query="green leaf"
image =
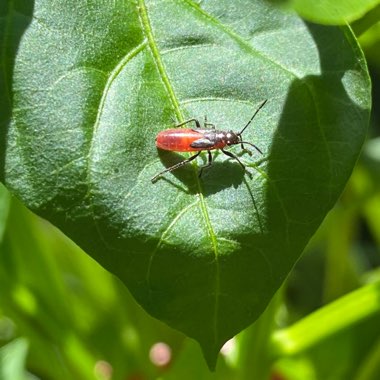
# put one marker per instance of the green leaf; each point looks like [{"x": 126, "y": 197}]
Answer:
[
  {"x": 345, "y": 327},
  {"x": 12, "y": 360},
  {"x": 94, "y": 83},
  {"x": 332, "y": 318},
  {"x": 333, "y": 12},
  {"x": 368, "y": 21}
]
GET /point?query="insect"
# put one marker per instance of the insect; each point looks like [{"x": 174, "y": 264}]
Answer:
[{"x": 200, "y": 139}]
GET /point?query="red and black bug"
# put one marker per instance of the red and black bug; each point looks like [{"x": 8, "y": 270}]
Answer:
[{"x": 199, "y": 139}]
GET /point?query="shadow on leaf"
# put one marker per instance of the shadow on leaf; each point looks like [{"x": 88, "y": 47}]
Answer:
[
  {"x": 219, "y": 176},
  {"x": 11, "y": 31}
]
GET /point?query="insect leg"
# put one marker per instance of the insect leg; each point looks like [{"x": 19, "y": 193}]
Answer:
[
  {"x": 245, "y": 150},
  {"x": 207, "y": 124},
  {"x": 253, "y": 145},
  {"x": 229, "y": 154},
  {"x": 207, "y": 165},
  {"x": 176, "y": 166},
  {"x": 197, "y": 123}
]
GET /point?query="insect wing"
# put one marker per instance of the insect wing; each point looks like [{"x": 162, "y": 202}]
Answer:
[{"x": 202, "y": 144}]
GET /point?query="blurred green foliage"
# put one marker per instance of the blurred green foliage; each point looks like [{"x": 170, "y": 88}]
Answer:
[{"x": 334, "y": 12}]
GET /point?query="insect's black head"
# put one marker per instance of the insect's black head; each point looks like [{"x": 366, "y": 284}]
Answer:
[{"x": 233, "y": 138}]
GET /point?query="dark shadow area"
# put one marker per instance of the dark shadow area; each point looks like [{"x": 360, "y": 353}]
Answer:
[
  {"x": 375, "y": 121},
  {"x": 15, "y": 17},
  {"x": 315, "y": 147},
  {"x": 219, "y": 176}
]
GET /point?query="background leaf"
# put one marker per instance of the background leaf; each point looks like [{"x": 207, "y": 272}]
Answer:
[
  {"x": 94, "y": 83},
  {"x": 12, "y": 360},
  {"x": 338, "y": 12}
]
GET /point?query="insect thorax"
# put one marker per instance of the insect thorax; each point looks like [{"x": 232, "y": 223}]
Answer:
[{"x": 222, "y": 137}]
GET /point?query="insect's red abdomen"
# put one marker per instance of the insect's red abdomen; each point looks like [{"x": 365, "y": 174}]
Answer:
[{"x": 177, "y": 140}]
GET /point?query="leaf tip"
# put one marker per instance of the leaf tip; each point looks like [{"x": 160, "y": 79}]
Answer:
[{"x": 211, "y": 356}]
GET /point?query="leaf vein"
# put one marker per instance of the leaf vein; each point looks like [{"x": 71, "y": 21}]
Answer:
[
  {"x": 321, "y": 131},
  {"x": 111, "y": 78},
  {"x": 175, "y": 103},
  {"x": 163, "y": 235},
  {"x": 240, "y": 41}
]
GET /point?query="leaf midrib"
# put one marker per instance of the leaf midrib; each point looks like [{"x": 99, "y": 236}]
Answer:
[{"x": 146, "y": 26}]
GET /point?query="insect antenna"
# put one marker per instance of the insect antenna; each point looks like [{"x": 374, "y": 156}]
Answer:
[{"x": 261, "y": 106}]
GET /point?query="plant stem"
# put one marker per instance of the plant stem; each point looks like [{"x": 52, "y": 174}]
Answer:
[{"x": 328, "y": 320}]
